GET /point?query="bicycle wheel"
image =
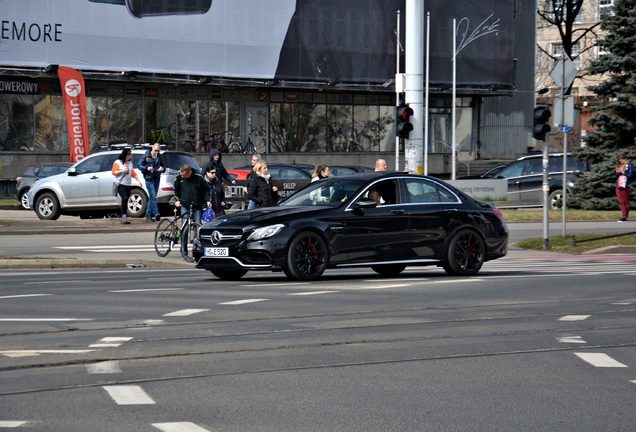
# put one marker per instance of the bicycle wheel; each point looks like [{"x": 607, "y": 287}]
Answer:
[
  {"x": 194, "y": 232},
  {"x": 165, "y": 235},
  {"x": 235, "y": 147}
]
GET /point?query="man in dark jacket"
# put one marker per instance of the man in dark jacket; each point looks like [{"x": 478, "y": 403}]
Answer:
[
  {"x": 216, "y": 193},
  {"x": 190, "y": 189},
  {"x": 221, "y": 172},
  {"x": 151, "y": 166}
]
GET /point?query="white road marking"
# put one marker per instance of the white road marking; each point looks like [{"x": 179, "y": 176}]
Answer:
[
  {"x": 110, "y": 342},
  {"x": 571, "y": 339},
  {"x": 240, "y": 302},
  {"x": 633, "y": 381},
  {"x": 129, "y": 395},
  {"x": 33, "y": 353},
  {"x": 55, "y": 282},
  {"x": 44, "y": 319},
  {"x": 574, "y": 317},
  {"x": 24, "y": 295},
  {"x": 106, "y": 367},
  {"x": 186, "y": 312},
  {"x": 12, "y": 423},
  {"x": 312, "y": 293},
  {"x": 600, "y": 360},
  {"x": 269, "y": 284},
  {"x": 179, "y": 427},
  {"x": 106, "y": 247},
  {"x": 146, "y": 290}
]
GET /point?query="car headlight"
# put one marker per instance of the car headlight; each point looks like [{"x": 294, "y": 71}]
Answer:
[{"x": 265, "y": 232}]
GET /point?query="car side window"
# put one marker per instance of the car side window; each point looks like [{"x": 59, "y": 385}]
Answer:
[
  {"x": 388, "y": 191},
  {"x": 515, "y": 169},
  {"x": 533, "y": 167},
  {"x": 48, "y": 171},
  {"x": 425, "y": 191},
  {"x": 290, "y": 174},
  {"x": 91, "y": 165}
]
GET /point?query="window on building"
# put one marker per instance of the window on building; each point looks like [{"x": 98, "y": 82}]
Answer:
[
  {"x": 558, "y": 5},
  {"x": 605, "y": 9},
  {"x": 557, "y": 51}
]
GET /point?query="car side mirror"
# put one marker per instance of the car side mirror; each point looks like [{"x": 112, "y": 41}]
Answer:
[
  {"x": 365, "y": 203},
  {"x": 72, "y": 172}
]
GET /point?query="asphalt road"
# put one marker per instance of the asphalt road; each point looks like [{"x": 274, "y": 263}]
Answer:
[{"x": 529, "y": 345}]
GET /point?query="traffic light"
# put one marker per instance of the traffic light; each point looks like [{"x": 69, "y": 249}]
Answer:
[
  {"x": 541, "y": 126},
  {"x": 403, "y": 123}
]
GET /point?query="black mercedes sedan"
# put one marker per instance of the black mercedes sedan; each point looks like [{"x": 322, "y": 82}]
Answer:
[{"x": 383, "y": 220}]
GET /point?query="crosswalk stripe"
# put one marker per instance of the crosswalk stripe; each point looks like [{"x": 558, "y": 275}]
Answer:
[
  {"x": 574, "y": 317},
  {"x": 106, "y": 367},
  {"x": 185, "y": 312},
  {"x": 179, "y": 427},
  {"x": 12, "y": 423},
  {"x": 240, "y": 302},
  {"x": 600, "y": 360},
  {"x": 571, "y": 339},
  {"x": 129, "y": 395}
]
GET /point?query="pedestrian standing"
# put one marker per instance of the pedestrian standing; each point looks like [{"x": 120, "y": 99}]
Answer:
[
  {"x": 261, "y": 190},
  {"x": 320, "y": 172},
  {"x": 124, "y": 171},
  {"x": 216, "y": 194},
  {"x": 380, "y": 165},
  {"x": 190, "y": 190},
  {"x": 624, "y": 173},
  {"x": 256, "y": 158},
  {"x": 151, "y": 166}
]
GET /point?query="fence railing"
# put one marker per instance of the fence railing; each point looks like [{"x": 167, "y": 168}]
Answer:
[{"x": 7, "y": 188}]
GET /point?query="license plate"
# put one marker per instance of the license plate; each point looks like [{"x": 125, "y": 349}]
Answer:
[{"x": 217, "y": 252}]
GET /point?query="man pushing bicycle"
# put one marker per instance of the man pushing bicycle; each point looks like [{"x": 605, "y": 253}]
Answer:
[{"x": 191, "y": 191}]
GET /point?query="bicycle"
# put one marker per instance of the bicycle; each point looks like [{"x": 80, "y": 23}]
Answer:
[
  {"x": 237, "y": 147},
  {"x": 169, "y": 232}
]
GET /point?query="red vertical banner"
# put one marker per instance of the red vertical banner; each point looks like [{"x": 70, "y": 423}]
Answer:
[{"x": 74, "y": 95}]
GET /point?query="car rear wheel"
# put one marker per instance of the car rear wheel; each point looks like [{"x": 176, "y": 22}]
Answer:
[
  {"x": 24, "y": 199},
  {"x": 466, "y": 254},
  {"x": 388, "y": 269},
  {"x": 307, "y": 257},
  {"x": 137, "y": 203},
  {"x": 556, "y": 199},
  {"x": 229, "y": 274},
  {"x": 47, "y": 207}
]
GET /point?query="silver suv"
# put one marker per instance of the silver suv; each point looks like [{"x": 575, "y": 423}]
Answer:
[{"x": 85, "y": 189}]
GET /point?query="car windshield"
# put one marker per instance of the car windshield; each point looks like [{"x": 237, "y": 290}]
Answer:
[{"x": 331, "y": 192}]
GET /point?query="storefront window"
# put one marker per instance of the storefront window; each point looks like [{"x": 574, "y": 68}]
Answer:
[{"x": 51, "y": 132}]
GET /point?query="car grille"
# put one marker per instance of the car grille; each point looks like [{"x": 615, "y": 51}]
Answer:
[
  {"x": 256, "y": 258},
  {"x": 227, "y": 237}
]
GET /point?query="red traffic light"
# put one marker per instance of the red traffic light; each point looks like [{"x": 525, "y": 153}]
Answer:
[{"x": 402, "y": 121}]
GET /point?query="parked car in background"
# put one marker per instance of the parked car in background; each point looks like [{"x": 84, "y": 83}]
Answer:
[
  {"x": 33, "y": 173},
  {"x": 288, "y": 178},
  {"x": 491, "y": 173},
  {"x": 525, "y": 180},
  {"x": 85, "y": 189},
  {"x": 340, "y": 170},
  {"x": 334, "y": 223}
]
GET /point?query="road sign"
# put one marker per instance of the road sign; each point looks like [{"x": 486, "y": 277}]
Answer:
[
  {"x": 564, "y": 72},
  {"x": 563, "y": 113}
]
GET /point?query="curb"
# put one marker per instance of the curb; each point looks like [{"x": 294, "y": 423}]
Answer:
[{"x": 73, "y": 263}]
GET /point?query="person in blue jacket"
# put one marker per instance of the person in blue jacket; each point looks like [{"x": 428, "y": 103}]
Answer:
[{"x": 151, "y": 166}]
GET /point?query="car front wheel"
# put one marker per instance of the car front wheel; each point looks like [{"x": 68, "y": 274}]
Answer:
[
  {"x": 307, "y": 257},
  {"x": 137, "y": 203},
  {"x": 465, "y": 255},
  {"x": 24, "y": 199},
  {"x": 47, "y": 206}
]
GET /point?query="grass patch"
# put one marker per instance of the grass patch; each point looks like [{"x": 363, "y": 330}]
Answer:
[
  {"x": 580, "y": 243},
  {"x": 536, "y": 215}
]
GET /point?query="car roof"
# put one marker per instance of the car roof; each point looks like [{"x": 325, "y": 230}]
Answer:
[{"x": 535, "y": 156}]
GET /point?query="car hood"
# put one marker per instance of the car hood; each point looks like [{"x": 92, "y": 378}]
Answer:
[{"x": 262, "y": 216}]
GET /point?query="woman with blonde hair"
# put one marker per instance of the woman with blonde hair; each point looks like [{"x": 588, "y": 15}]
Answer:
[
  {"x": 321, "y": 172},
  {"x": 260, "y": 189}
]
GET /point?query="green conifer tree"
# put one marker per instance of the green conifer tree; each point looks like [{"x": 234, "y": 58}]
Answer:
[{"x": 615, "y": 119}]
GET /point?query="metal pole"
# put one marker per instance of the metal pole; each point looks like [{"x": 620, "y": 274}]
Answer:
[
  {"x": 397, "y": 90},
  {"x": 546, "y": 195},
  {"x": 426, "y": 91},
  {"x": 454, "y": 102},
  {"x": 565, "y": 146}
]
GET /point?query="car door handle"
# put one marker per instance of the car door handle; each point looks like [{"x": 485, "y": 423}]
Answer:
[
  {"x": 94, "y": 178},
  {"x": 397, "y": 211}
]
